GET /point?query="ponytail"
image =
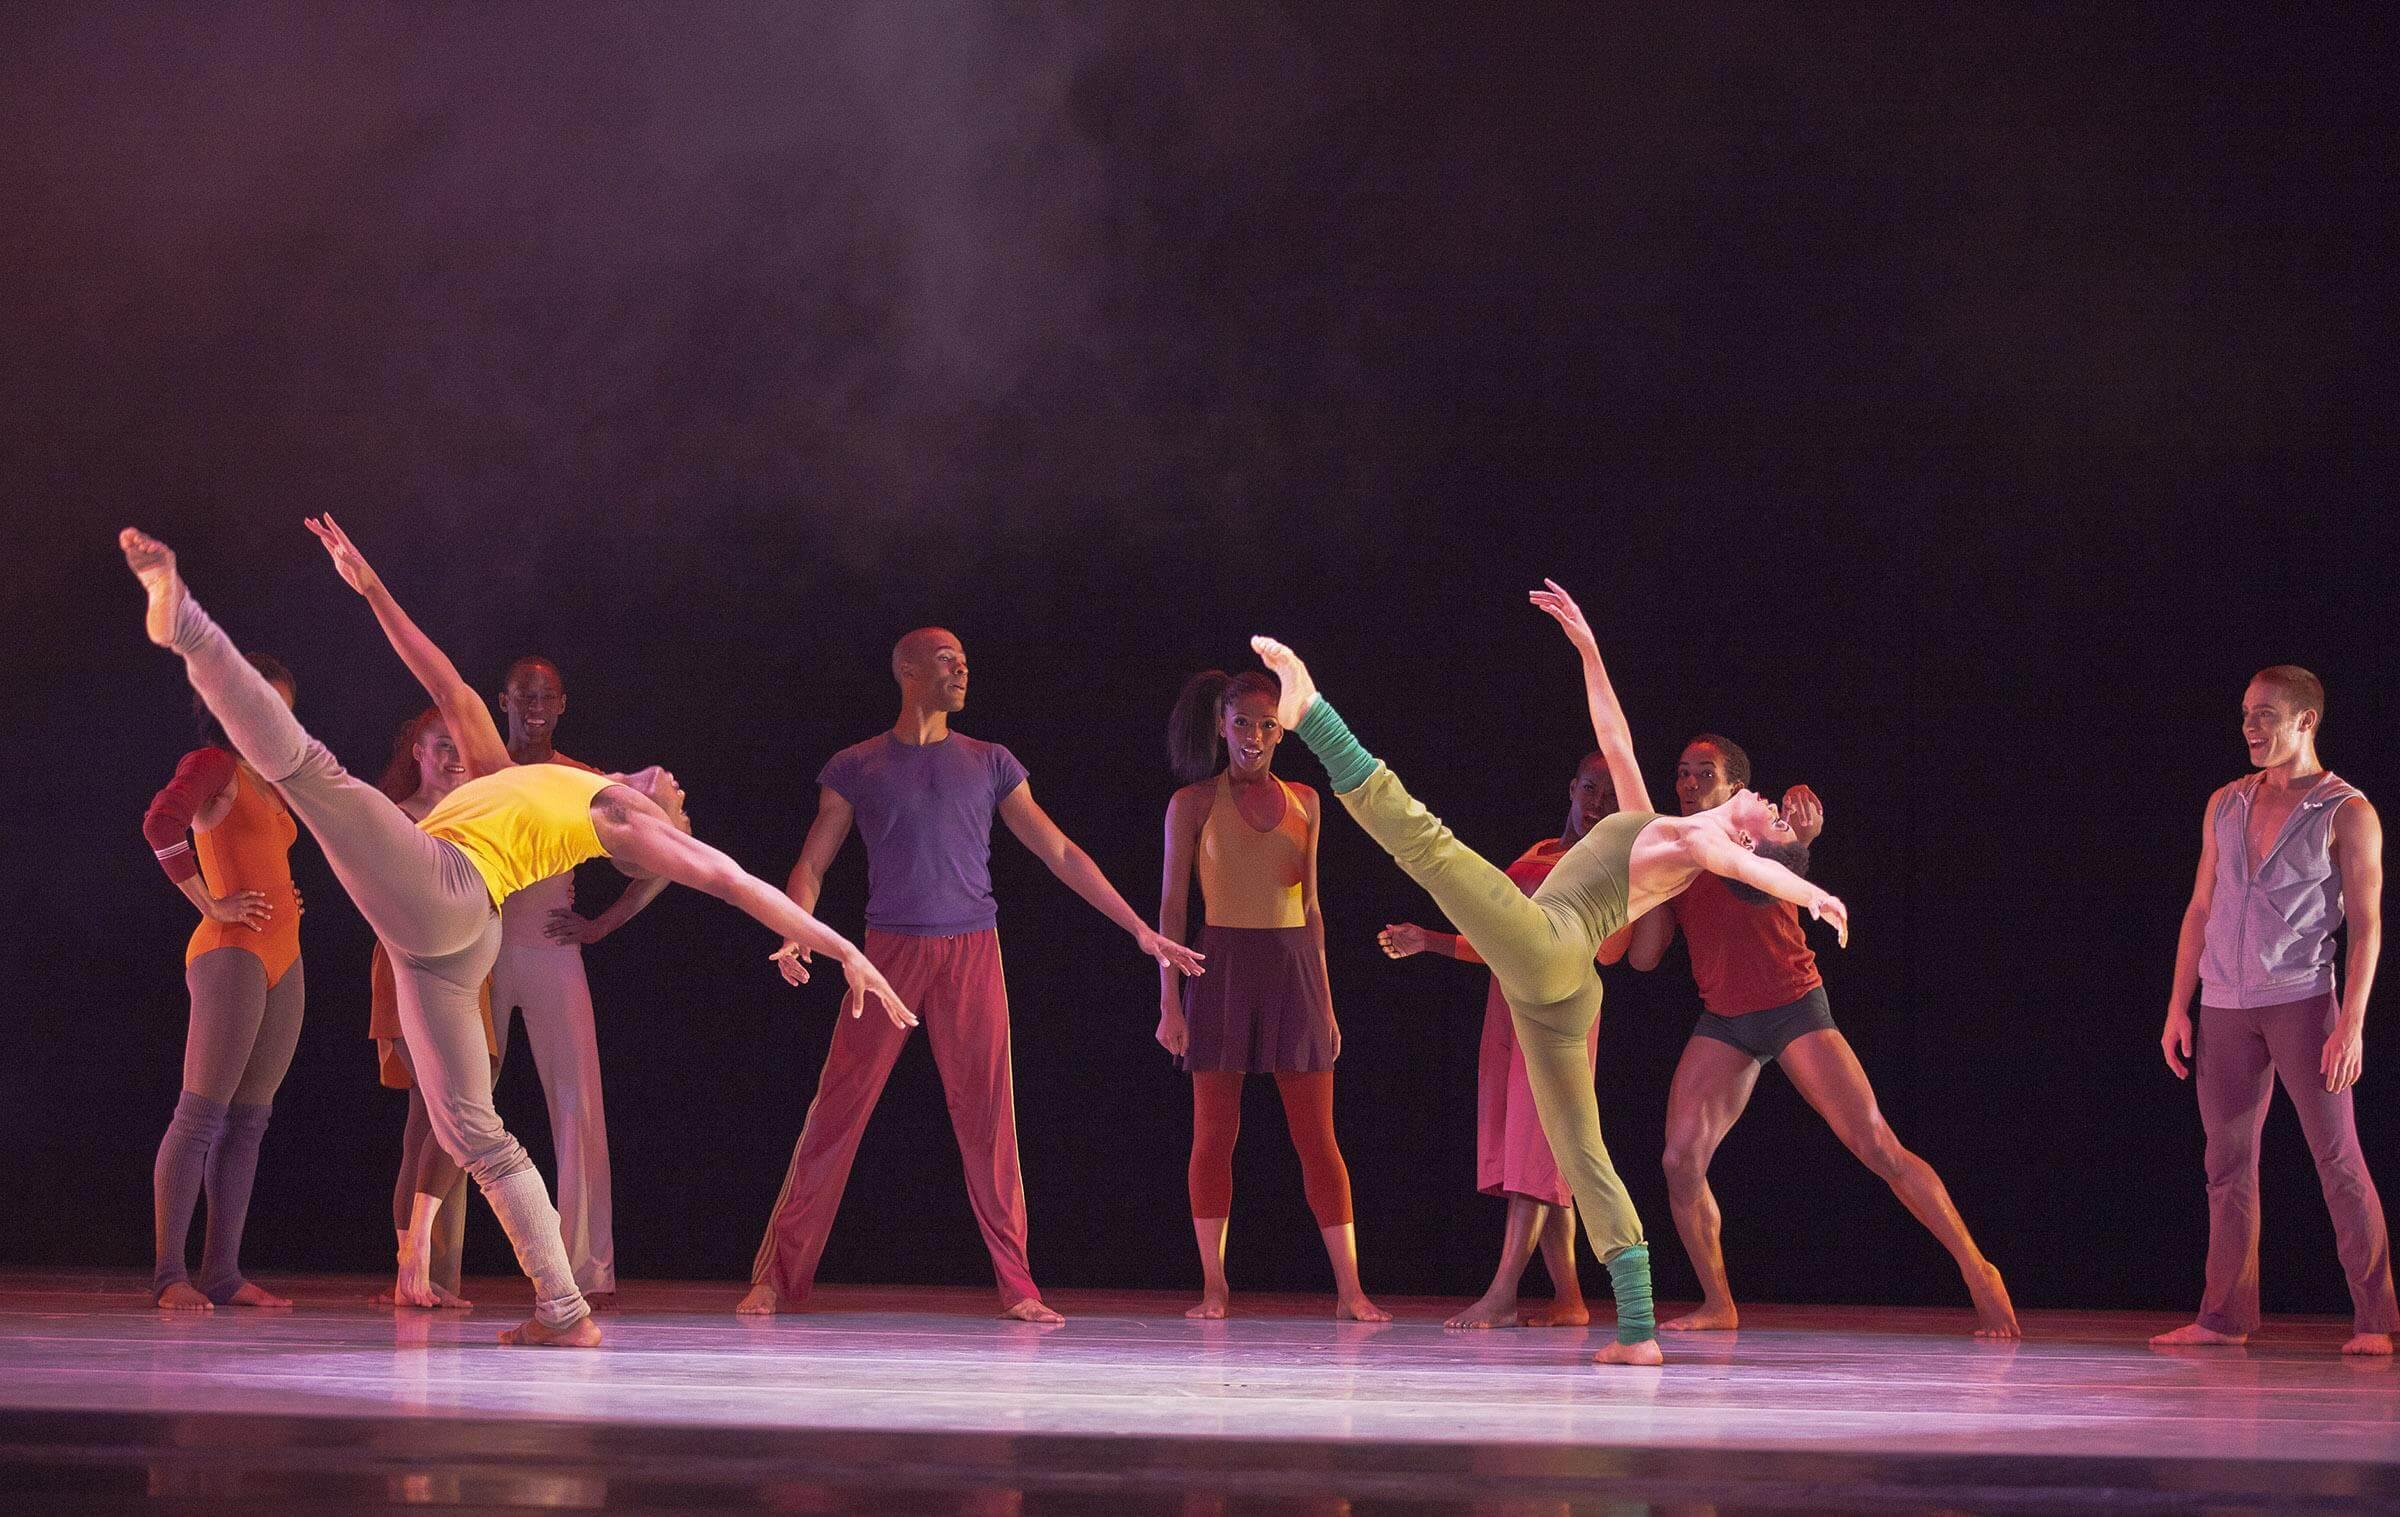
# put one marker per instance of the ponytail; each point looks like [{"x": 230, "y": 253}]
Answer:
[{"x": 1195, "y": 730}]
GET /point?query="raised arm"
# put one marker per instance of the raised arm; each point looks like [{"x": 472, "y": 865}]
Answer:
[
  {"x": 2358, "y": 852},
  {"x": 469, "y": 719},
  {"x": 1032, "y": 826},
  {"x": 2176, "y": 1040},
  {"x": 635, "y": 832},
  {"x": 1614, "y": 737},
  {"x": 1713, "y": 851}
]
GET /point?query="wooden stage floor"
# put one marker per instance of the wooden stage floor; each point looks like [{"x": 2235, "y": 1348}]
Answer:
[{"x": 914, "y": 1401}]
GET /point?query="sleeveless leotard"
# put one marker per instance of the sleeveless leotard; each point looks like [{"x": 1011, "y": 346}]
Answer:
[
  {"x": 1250, "y": 878},
  {"x": 522, "y": 824},
  {"x": 251, "y": 850}
]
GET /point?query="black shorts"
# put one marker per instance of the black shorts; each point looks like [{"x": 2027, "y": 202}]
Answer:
[{"x": 1764, "y": 1034}]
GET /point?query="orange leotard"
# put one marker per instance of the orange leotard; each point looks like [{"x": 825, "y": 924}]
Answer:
[
  {"x": 251, "y": 850},
  {"x": 1250, "y": 878}
]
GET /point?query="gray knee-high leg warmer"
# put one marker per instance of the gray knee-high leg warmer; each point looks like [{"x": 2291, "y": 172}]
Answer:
[
  {"x": 176, "y": 1178},
  {"x": 232, "y": 1167},
  {"x": 522, "y": 1204}
]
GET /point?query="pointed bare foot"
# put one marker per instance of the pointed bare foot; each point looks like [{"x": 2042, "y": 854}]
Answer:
[
  {"x": 2192, "y": 1334},
  {"x": 181, "y": 1297},
  {"x": 583, "y": 1332},
  {"x": 1644, "y": 1352},
  {"x": 1491, "y": 1311},
  {"x": 761, "y": 1302},
  {"x": 251, "y": 1295},
  {"x": 2378, "y": 1345},
  {"x": 1299, "y": 691},
  {"x": 153, "y": 563},
  {"x": 1706, "y": 1318},
  {"x": 1212, "y": 1308},
  {"x": 601, "y": 1301},
  {"x": 1359, "y": 1309},
  {"x": 1031, "y": 1310},
  {"x": 1560, "y": 1314},
  {"x": 1995, "y": 1314}
]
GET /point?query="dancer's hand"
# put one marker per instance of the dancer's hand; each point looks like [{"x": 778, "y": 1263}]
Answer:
[
  {"x": 2345, "y": 1056},
  {"x": 353, "y": 564},
  {"x": 299, "y": 906},
  {"x": 570, "y": 928},
  {"x": 792, "y": 959},
  {"x": 1401, "y": 939},
  {"x": 2176, "y": 1043},
  {"x": 1828, "y": 907},
  {"x": 1174, "y": 1034},
  {"x": 1562, "y": 608},
  {"x": 243, "y": 908},
  {"x": 1804, "y": 813},
  {"x": 866, "y": 980},
  {"x": 1169, "y": 953}
]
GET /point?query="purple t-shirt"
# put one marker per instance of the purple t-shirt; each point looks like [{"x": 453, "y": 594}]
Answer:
[{"x": 925, "y": 810}]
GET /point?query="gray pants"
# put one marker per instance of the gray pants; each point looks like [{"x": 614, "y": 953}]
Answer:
[
  {"x": 2240, "y": 1054},
  {"x": 436, "y": 919},
  {"x": 234, "y": 1059}
]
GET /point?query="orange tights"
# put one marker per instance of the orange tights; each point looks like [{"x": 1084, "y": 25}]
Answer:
[{"x": 1307, "y": 1111}]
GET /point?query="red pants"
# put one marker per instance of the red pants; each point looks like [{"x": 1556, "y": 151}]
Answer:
[{"x": 955, "y": 987}]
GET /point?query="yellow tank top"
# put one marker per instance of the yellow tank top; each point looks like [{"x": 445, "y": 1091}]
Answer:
[
  {"x": 522, "y": 824},
  {"x": 1250, "y": 878}
]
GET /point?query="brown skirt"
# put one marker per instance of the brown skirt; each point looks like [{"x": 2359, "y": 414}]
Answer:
[{"x": 1262, "y": 1008}]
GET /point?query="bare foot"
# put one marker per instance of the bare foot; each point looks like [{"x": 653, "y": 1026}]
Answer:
[
  {"x": 181, "y": 1297},
  {"x": 1031, "y": 1310},
  {"x": 583, "y": 1332},
  {"x": 251, "y": 1295},
  {"x": 153, "y": 563},
  {"x": 1560, "y": 1314},
  {"x": 1707, "y": 1318},
  {"x": 1491, "y": 1311},
  {"x": 1212, "y": 1308},
  {"x": 2378, "y": 1345},
  {"x": 434, "y": 1297},
  {"x": 1644, "y": 1352},
  {"x": 1299, "y": 691},
  {"x": 2194, "y": 1334},
  {"x": 761, "y": 1302},
  {"x": 1995, "y": 1315},
  {"x": 600, "y": 1301},
  {"x": 1358, "y": 1308}
]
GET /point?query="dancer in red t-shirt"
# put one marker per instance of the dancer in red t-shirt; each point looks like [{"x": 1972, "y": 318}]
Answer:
[{"x": 1764, "y": 1002}]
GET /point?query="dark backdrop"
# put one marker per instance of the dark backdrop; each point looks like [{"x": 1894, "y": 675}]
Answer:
[{"x": 1953, "y": 404}]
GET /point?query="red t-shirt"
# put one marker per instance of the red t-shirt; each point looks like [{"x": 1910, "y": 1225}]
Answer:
[{"x": 1745, "y": 957}]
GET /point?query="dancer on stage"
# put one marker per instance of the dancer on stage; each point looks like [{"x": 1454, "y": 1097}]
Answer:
[
  {"x": 224, "y": 838},
  {"x": 1542, "y": 947},
  {"x": 540, "y": 972},
  {"x": 429, "y": 1198},
  {"x": 1512, "y": 1157},
  {"x": 1765, "y": 1002},
  {"x": 924, "y": 798},
  {"x": 2286, "y": 855},
  {"x": 1264, "y": 1007},
  {"x": 432, "y": 894}
]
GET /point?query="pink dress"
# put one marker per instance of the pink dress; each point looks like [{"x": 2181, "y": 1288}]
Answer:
[{"x": 1511, "y": 1155}]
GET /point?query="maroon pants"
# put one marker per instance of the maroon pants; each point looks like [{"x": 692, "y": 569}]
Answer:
[
  {"x": 955, "y": 987},
  {"x": 2241, "y": 1053}
]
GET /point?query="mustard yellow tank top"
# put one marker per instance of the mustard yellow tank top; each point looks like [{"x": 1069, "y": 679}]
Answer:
[
  {"x": 1250, "y": 878},
  {"x": 521, "y": 825}
]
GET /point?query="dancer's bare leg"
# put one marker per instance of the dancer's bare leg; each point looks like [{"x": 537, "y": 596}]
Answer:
[
  {"x": 1215, "y": 1298},
  {"x": 2378, "y": 1345},
  {"x": 583, "y": 1332},
  {"x": 1826, "y": 1072},
  {"x": 415, "y": 1285},
  {"x": 252, "y": 1295},
  {"x": 762, "y": 1301},
  {"x": 1567, "y": 1308},
  {"x": 2193, "y": 1335},
  {"x": 182, "y": 1297},
  {"x": 1350, "y": 1302},
  {"x": 1712, "y": 1085},
  {"x": 1498, "y": 1306},
  {"x": 1031, "y": 1310}
]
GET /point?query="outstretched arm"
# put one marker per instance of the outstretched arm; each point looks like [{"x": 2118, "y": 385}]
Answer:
[
  {"x": 1074, "y": 868},
  {"x": 1615, "y": 738},
  {"x": 469, "y": 719},
  {"x": 634, "y": 831},
  {"x": 1713, "y": 851}
]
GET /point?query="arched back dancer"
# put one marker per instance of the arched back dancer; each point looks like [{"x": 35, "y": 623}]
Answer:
[
  {"x": 1541, "y": 947},
  {"x": 432, "y": 894}
]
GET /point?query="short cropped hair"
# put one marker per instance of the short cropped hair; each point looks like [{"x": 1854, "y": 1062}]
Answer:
[
  {"x": 2304, "y": 690},
  {"x": 1731, "y": 758}
]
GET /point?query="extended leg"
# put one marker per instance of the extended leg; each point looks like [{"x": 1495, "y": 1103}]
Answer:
[
  {"x": 1712, "y": 1085},
  {"x": 2295, "y": 1038},
  {"x": 1827, "y": 1074}
]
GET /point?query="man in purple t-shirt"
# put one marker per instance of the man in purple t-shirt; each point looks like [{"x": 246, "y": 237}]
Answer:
[{"x": 923, "y": 798}]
